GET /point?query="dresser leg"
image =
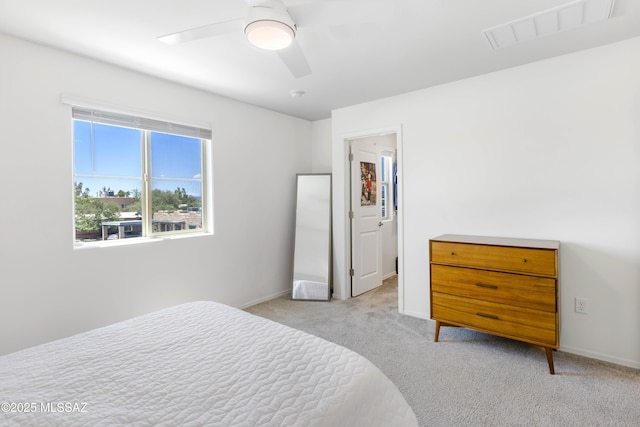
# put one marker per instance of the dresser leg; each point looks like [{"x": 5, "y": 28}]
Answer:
[
  {"x": 549, "y": 360},
  {"x": 437, "y": 334}
]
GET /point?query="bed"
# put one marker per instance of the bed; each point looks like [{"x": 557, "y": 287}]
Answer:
[{"x": 196, "y": 364}]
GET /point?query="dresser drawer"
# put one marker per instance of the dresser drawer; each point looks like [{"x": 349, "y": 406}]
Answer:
[
  {"x": 538, "y": 293},
  {"x": 503, "y": 258},
  {"x": 537, "y": 327}
]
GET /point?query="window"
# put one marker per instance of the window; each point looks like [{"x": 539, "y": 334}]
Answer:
[
  {"x": 386, "y": 197},
  {"x": 137, "y": 177}
]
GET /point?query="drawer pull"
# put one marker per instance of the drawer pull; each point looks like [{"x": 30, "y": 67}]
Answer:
[
  {"x": 524, "y": 260},
  {"x": 489, "y": 316},
  {"x": 453, "y": 253},
  {"x": 484, "y": 285}
]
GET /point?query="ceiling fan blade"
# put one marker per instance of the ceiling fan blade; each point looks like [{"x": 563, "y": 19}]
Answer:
[
  {"x": 294, "y": 59},
  {"x": 210, "y": 30}
]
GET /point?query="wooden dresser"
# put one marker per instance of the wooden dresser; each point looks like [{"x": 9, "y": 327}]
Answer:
[{"x": 501, "y": 286}]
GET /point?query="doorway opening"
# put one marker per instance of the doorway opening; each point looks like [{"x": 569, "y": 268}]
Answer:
[{"x": 375, "y": 216}]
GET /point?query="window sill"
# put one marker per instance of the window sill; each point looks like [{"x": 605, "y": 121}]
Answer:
[{"x": 135, "y": 241}]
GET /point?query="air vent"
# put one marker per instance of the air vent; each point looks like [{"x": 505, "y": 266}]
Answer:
[{"x": 562, "y": 18}]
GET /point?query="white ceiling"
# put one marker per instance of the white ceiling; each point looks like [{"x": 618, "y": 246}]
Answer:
[{"x": 422, "y": 43}]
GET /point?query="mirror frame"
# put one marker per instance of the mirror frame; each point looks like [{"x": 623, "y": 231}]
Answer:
[{"x": 329, "y": 256}]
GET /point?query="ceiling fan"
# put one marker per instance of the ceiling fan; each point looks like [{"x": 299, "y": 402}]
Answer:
[{"x": 270, "y": 25}]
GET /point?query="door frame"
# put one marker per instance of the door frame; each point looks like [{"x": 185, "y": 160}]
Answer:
[{"x": 346, "y": 262}]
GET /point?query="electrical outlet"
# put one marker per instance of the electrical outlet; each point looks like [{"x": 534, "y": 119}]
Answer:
[{"x": 581, "y": 305}]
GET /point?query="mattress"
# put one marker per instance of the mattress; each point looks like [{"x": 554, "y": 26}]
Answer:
[{"x": 196, "y": 364}]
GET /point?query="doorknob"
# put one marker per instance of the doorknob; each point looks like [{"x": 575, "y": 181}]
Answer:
[{"x": 380, "y": 224}]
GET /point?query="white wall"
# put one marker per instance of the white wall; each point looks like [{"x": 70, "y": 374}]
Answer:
[
  {"x": 49, "y": 290},
  {"x": 321, "y": 146},
  {"x": 548, "y": 150}
]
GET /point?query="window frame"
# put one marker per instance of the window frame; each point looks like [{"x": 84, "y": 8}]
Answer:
[
  {"x": 386, "y": 186},
  {"x": 147, "y": 125}
]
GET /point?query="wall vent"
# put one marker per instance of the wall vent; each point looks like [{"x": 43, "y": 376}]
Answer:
[{"x": 561, "y": 18}]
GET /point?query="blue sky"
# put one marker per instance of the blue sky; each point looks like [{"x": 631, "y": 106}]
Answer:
[{"x": 116, "y": 151}]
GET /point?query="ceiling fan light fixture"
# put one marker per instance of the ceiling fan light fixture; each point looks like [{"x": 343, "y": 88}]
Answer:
[{"x": 269, "y": 34}]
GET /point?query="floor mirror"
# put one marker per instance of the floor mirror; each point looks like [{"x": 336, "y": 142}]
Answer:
[{"x": 312, "y": 267}]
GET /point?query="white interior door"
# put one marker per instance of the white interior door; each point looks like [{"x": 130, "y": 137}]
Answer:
[{"x": 366, "y": 236}]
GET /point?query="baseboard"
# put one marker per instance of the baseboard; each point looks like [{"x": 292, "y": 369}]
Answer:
[
  {"x": 265, "y": 299},
  {"x": 389, "y": 276},
  {"x": 600, "y": 356},
  {"x": 416, "y": 314}
]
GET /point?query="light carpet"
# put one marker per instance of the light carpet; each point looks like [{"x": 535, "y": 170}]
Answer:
[{"x": 468, "y": 378}]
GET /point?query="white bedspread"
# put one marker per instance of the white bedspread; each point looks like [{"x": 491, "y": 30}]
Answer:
[{"x": 196, "y": 364}]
